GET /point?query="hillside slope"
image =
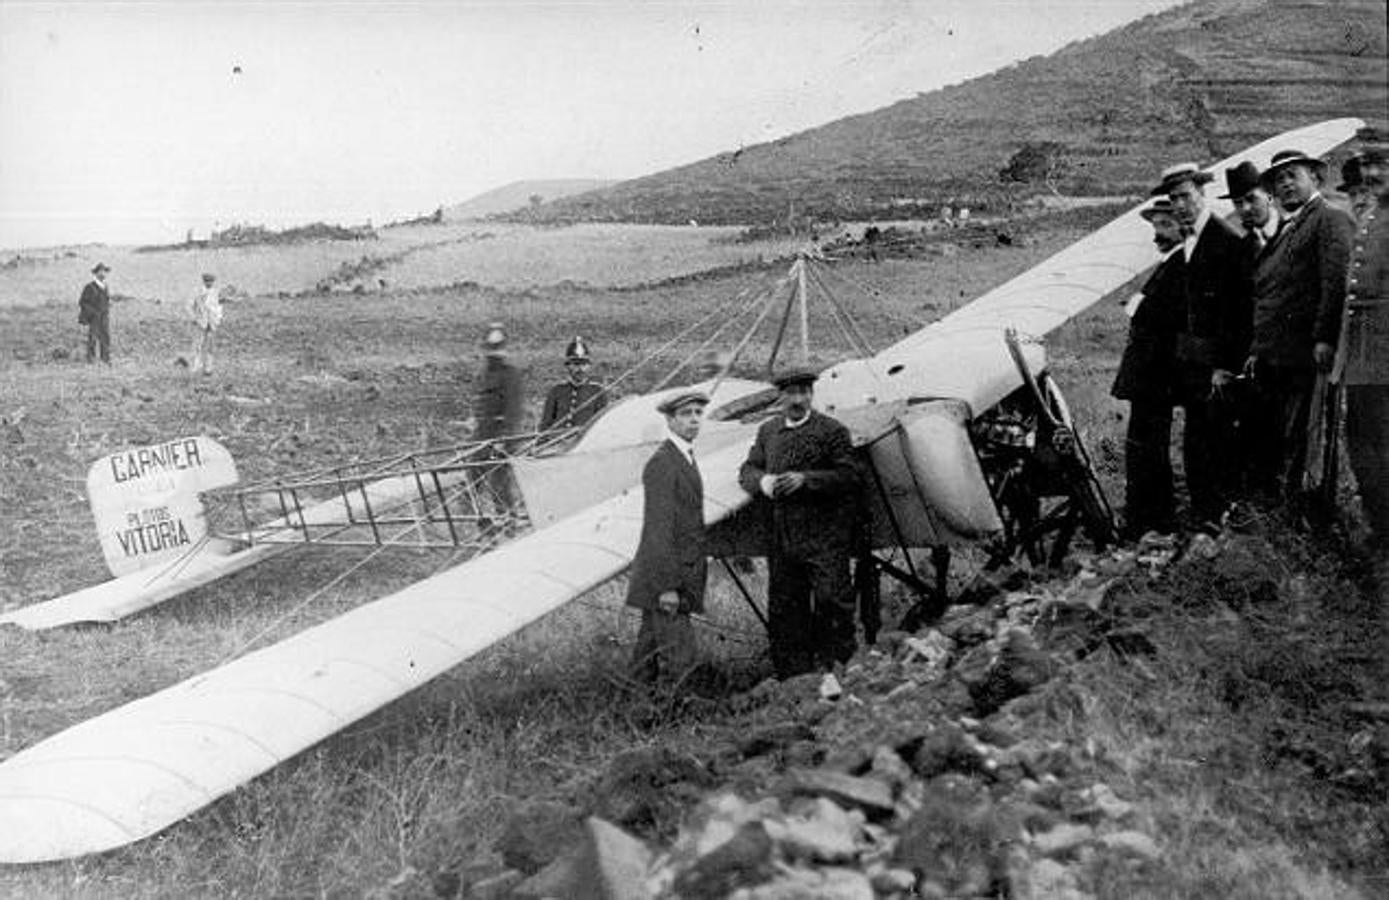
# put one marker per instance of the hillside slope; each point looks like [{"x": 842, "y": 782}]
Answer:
[
  {"x": 1103, "y": 115},
  {"x": 517, "y": 196}
]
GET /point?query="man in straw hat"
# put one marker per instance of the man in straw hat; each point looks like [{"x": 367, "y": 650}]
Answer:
[
  {"x": 802, "y": 465},
  {"x": 669, "y": 570},
  {"x": 1364, "y": 352},
  {"x": 1147, "y": 372},
  {"x": 575, "y": 401},
  {"x": 94, "y": 311},
  {"x": 1211, "y": 342},
  {"x": 1299, "y": 285}
]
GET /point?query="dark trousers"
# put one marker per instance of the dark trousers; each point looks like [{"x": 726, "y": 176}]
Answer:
[
  {"x": 665, "y": 648},
  {"x": 810, "y": 611},
  {"x": 1278, "y": 432},
  {"x": 99, "y": 337},
  {"x": 1148, "y": 503},
  {"x": 1367, "y": 445},
  {"x": 1209, "y": 455}
]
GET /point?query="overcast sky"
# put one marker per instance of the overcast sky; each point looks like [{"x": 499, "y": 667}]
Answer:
[{"x": 133, "y": 121}]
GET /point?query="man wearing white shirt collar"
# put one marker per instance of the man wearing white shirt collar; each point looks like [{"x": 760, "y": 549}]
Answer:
[
  {"x": 1212, "y": 339},
  {"x": 669, "y": 571},
  {"x": 802, "y": 466}
]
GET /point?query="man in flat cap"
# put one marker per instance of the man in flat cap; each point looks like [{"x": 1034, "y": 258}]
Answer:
[
  {"x": 1146, "y": 378},
  {"x": 1299, "y": 286},
  {"x": 1212, "y": 340},
  {"x": 802, "y": 464},
  {"x": 572, "y": 403},
  {"x": 94, "y": 311},
  {"x": 669, "y": 570},
  {"x": 497, "y": 413},
  {"x": 1364, "y": 352}
]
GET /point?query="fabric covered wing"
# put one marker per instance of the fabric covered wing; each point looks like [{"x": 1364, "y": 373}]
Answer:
[{"x": 140, "y": 768}]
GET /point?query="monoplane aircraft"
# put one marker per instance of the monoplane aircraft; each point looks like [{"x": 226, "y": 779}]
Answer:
[{"x": 963, "y": 433}]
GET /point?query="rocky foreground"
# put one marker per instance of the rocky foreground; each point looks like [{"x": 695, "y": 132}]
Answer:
[{"x": 929, "y": 776}]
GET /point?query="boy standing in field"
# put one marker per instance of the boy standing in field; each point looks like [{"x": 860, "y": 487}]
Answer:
[{"x": 206, "y": 309}]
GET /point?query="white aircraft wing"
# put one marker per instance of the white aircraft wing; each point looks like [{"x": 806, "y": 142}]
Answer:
[{"x": 135, "y": 770}]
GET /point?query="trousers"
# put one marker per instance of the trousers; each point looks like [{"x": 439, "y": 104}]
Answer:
[
  {"x": 1148, "y": 498},
  {"x": 1367, "y": 446},
  {"x": 665, "y": 648},
  {"x": 810, "y": 611}
]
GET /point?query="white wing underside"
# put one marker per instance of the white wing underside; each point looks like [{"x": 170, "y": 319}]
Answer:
[{"x": 135, "y": 770}]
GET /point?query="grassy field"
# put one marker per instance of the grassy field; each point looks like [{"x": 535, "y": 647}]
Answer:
[
  {"x": 416, "y": 256},
  {"x": 413, "y": 796}
]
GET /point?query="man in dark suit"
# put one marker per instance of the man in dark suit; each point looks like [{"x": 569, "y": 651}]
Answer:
[
  {"x": 668, "y": 573},
  {"x": 574, "y": 402},
  {"x": 94, "y": 311},
  {"x": 802, "y": 464},
  {"x": 1299, "y": 287},
  {"x": 497, "y": 416},
  {"x": 1212, "y": 339},
  {"x": 1146, "y": 377}
]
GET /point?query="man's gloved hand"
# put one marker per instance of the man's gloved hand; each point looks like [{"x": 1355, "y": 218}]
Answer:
[
  {"x": 669, "y": 601},
  {"x": 1323, "y": 354}
]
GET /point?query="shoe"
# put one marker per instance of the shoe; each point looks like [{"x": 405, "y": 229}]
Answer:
[{"x": 830, "y": 689}]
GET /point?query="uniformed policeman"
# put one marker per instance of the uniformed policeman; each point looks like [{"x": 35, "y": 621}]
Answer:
[
  {"x": 497, "y": 411},
  {"x": 572, "y": 404}
]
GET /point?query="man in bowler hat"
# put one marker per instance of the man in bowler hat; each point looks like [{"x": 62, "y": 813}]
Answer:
[{"x": 669, "y": 571}]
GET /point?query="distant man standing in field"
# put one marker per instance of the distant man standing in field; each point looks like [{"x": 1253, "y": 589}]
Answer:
[
  {"x": 94, "y": 311},
  {"x": 1146, "y": 378},
  {"x": 497, "y": 413},
  {"x": 1212, "y": 340},
  {"x": 205, "y": 308},
  {"x": 573, "y": 403},
  {"x": 802, "y": 463},
  {"x": 670, "y": 568},
  {"x": 1299, "y": 291}
]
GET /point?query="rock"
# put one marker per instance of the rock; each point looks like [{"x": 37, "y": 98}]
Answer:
[
  {"x": 893, "y": 881},
  {"x": 649, "y": 787},
  {"x": 497, "y": 887},
  {"x": 1102, "y": 799},
  {"x": 1038, "y": 758},
  {"x": 775, "y": 737},
  {"x": 814, "y": 884},
  {"x": 868, "y": 794},
  {"x": 947, "y": 749},
  {"x": 804, "y": 754},
  {"x": 825, "y": 834},
  {"x": 555, "y": 880},
  {"x": 536, "y": 833},
  {"x": 890, "y": 768},
  {"x": 743, "y": 860},
  {"x": 955, "y": 839},
  {"x": 1046, "y": 879},
  {"x": 1063, "y": 840},
  {"x": 614, "y": 865},
  {"x": 933, "y": 650},
  {"x": 967, "y": 625},
  {"x": 1134, "y": 842},
  {"x": 1020, "y": 667}
]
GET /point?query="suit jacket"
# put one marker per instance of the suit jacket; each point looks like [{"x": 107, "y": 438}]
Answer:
[
  {"x": 670, "y": 554},
  {"x": 1217, "y": 323},
  {"x": 1300, "y": 286},
  {"x": 1366, "y": 352},
  {"x": 822, "y": 516},
  {"x": 94, "y": 303},
  {"x": 498, "y": 405},
  {"x": 1148, "y": 367}
]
